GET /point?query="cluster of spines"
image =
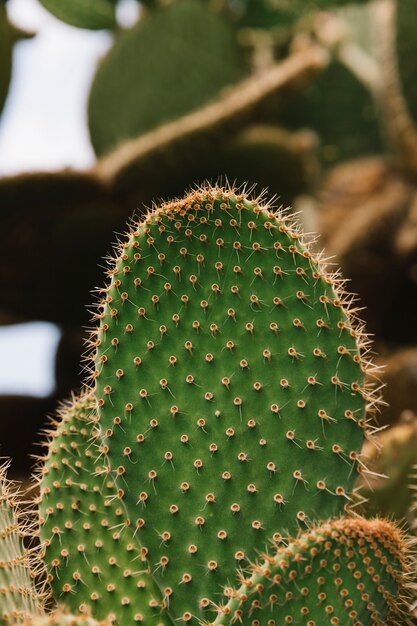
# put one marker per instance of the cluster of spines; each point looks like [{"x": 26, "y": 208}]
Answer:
[
  {"x": 21, "y": 591},
  {"x": 344, "y": 569},
  {"x": 188, "y": 289}
]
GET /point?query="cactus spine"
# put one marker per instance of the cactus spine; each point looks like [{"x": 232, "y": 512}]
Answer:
[{"x": 228, "y": 410}]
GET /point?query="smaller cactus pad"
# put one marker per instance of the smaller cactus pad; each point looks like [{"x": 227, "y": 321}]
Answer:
[
  {"x": 94, "y": 561},
  {"x": 348, "y": 570},
  {"x": 19, "y": 596}
]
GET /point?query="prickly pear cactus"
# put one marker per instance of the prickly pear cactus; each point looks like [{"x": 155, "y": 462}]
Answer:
[
  {"x": 95, "y": 562},
  {"x": 94, "y": 14},
  {"x": 345, "y": 569},
  {"x": 19, "y": 597},
  {"x": 59, "y": 618},
  {"x": 229, "y": 386},
  {"x": 405, "y": 41},
  {"x": 134, "y": 91}
]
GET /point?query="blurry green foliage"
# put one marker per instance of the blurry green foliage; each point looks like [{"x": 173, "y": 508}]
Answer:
[
  {"x": 93, "y": 14},
  {"x": 391, "y": 496},
  {"x": 175, "y": 60},
  {"x": 270, "y": 13},
  {"x": 341, "y": 110},
  {"x": 406, "y": 45}
]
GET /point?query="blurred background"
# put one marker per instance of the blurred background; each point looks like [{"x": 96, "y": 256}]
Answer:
[{"x": 107, "y": 105}]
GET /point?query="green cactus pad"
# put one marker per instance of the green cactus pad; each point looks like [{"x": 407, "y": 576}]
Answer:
[
  {"x": 340, "y": 108},
  {"x": 93, "y": 14},
  {"x": 175, "y": 60},
  {"x": 94, "y": 562},
  {"x": 348, "y": 570},
  {"x": 273, "y": 13},
  {"x": 19, "y": 596},
  {"x": 229, "y": 385},
  {"x": 59, "y": 618},
  {"x": 406, "y": 49},
  {"x": 5, "y": 56}
]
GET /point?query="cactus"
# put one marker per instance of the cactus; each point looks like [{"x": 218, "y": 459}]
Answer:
[
  {"x": 396, "y": 26},
  {"x": 339, "y": 107},
  {"x": 348, "y": 568},
  {"x": 93, "y": 14},
  {"x": 5, "y": 55},
  {"x": 228, "y": 410},
  {"x": 134, "y": 92},
  {"x": 281, "y": 13},
  {"x": 81, "y": 509},
  {"x": 19, "y": 596},
  {"x": 405, "y": 41},
  {"x": 229, "y": 387},
  {"x": 60, "y": 618}
]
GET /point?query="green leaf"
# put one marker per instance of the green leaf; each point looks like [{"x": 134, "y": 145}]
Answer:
[
  {"x": 175, "y": 60},
  {"x": 93, "y": 14}
]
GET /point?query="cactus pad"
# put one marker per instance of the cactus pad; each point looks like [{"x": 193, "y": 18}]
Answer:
[
  {"x": 19, "y": 596},
  {"x": 406, "y": 49},
  {"x": 348, "y": 570},
  {"x": 147, "y": 79},
  {"x": 95, "y": 564},
  {"x": 94, "y": 14},
  {"x": 59, "y": 618},
  {"x": 229, "y": 386}
]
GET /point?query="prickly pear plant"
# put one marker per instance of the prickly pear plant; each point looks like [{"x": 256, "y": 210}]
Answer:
[
  {"x": 348, "y": 568},
  {"x": 228, "y": 410},
  {"x": 94, "y": 14},
  {"x": 59, "y": 618},
  {"x": 19, "y": 597}
]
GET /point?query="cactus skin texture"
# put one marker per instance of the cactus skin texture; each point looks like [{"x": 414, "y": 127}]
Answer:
[
  {"x": 348, "y": 570},
  {"x": 59, "y": 618},
  {"x": 230, "y": 388},
  {"x": 95, "y": 561},
  {"x": 19, "y": 596}
]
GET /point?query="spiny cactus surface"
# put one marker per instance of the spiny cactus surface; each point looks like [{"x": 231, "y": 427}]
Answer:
[
  {"x": 229, "y": 386},
  {"x": 95, "y": 563},
  {"x": 59, "y": 618},
  {"x": 345, "y": 571},
  {"x": 19, "y": 596}
]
